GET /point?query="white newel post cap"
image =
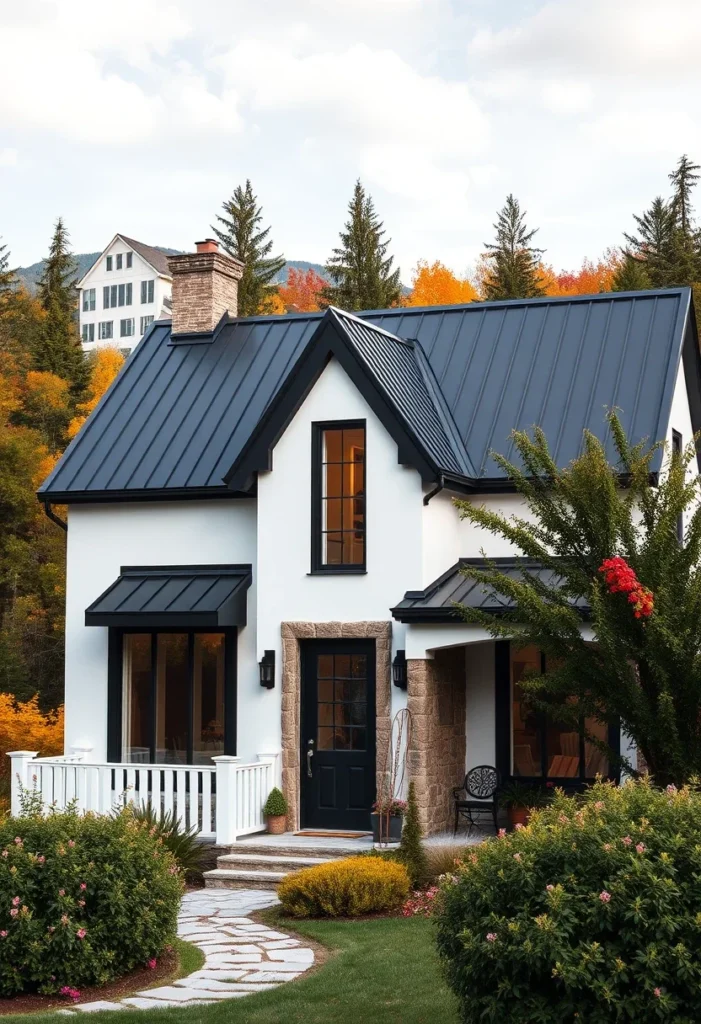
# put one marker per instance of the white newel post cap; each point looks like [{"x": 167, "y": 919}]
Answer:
[
  {"x": 225, "y": 765},
  {"x": 83, "y": 752}
]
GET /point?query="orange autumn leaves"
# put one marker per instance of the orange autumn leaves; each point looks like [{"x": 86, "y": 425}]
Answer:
[
  {"x": 107, "y": 363},
  {"x": 23, "y": 726},
  {"x": 436, "y": 285}
]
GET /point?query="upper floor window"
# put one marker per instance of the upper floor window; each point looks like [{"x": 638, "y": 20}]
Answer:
[
  {"x": 126, "y": 328},
  {"x": 128, "y": 256},
  {"x": 105, "y": 330},
  {"x": 88, "y": 300},
  {"x": 338, "y": 495},
  {"x": 119, "y": 261},
  {"x": 108, "y": 263},
  {"x": 146, "y": 322},
  {"x": 88, "y": 332},
  {"x": 147, "y": 291},
  {"x": 117, "y": 295}
]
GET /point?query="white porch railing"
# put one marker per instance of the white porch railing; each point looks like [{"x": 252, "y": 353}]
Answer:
[{"x": 222, "y": 802}]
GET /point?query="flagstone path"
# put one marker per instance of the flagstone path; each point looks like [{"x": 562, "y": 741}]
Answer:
[{"x": 242, "y": 957}]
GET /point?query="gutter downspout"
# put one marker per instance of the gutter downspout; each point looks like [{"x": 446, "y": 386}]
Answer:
[
  {"x": 54, "y": 518},
  {"x": 436, "y": 490}
]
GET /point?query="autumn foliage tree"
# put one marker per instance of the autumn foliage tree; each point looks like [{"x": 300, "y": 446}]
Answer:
[
  {"x": 435, "y": 285},
  {"x": 301, "y": 292},
  {"x": 105, "y": 364}
]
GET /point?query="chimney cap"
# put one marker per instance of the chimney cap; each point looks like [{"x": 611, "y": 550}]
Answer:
[{"x": 208, "y": 245}]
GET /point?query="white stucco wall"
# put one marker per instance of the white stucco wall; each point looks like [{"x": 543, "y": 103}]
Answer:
[
  {"x": 102, "y": 538},
  {"x": 98, "y": 276},
  {"x": 286, "y": 590}
]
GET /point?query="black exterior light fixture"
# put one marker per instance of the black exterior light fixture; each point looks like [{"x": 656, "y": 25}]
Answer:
[
  {"x": 267, "y": 669},
  {"x": 399, "y": 673}
]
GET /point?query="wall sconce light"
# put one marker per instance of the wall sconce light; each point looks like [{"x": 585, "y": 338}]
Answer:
[
  {"x": 399, "y": 672},
  {"x": 267, "y": 669}
]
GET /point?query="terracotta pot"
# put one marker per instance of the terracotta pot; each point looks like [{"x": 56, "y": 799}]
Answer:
[
  {"x": 277, "y": 824},
  {"x": 519, "y": 816}
]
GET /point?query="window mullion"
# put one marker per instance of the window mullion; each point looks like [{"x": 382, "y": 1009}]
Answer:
[
  {"x": 190, "y": 695},
  {"x": 154, "y": 696}
]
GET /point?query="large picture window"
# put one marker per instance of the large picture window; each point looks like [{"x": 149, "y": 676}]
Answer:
[
  {"x": 339, "y": 497},
  {"x": 540, "y": 746},
  {"x": 174, "y": 697}
]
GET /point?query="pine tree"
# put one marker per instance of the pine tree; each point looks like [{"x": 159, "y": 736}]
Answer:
[
  {"x": 515, "y": 262},
  {"x": 686, "y": 238},
  {"x": 411, "y": 852},
  {"x": 58, "y": 349},
  {"x": 242, "y": 237},
  {"x": 684, "y": 180},
  {"x": 360, "y": 269},
  {"x": 8, "y": 281},
  {"x": 654, "y": 244},
  {"x": 630, "y": 276}
]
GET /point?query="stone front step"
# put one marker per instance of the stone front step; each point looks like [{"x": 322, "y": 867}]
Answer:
[
  {"x": 268, "y": 862},
  {"x": 225, "y": 878},
  {"x": 318, "y": 851}
]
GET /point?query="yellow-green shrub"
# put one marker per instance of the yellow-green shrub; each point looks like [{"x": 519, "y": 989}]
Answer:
[{"x": 345, "y": 888}]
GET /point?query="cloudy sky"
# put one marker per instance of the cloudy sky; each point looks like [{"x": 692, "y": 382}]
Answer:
[{"x": 142, "y": 116}]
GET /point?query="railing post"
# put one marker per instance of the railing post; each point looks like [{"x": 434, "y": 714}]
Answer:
[
  {"x": 81, "y": 753},
  {"x": 274, "y": 760},
  {"x": 225, "y": 766},
  {"x": 19, "y": 763}
]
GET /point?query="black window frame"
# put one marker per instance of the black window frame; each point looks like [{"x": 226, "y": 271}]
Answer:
[
  {"x": 318, "y": 566},
  {"x": 119, "y": 261},
  {"x": 108, "y": 263},
  {"x": 128, "y": 260},
  {"x": 504, "y": 735},
  {"x": 115, "y": 689},
  {"x": 148, "y": 289},
  {"x": 678, "y": 448}
]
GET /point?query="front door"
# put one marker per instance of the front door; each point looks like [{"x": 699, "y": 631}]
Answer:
[{"x": 338, "y": 734}]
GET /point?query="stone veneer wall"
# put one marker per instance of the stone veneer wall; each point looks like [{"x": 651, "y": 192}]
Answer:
[
  {"x": 292, "y": 633},
  {"x": 436, "y": 762}
]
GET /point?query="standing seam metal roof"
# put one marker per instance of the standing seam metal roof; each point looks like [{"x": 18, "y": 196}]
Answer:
[{"x": 178, "y": 416}]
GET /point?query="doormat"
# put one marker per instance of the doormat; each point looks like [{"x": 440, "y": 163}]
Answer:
[{"x": 333, "y": 835}]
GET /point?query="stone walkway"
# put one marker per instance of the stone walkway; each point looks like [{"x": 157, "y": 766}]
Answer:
[{"x": 242, "y": 957}]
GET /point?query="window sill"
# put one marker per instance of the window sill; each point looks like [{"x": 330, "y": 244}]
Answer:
[{"x": 339, "y": 571}]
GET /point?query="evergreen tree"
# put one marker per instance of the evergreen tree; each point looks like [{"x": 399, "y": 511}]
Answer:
[
  {"x": 684, "y": 180},
  {"x": 686, "y": 238},
  {"x": 360, "y": 269},
  {"x": 514, "y": 261},
  {"x": 8, "y": 281},
  {"x": 242, "y": 237},
  {"x": 411, "y": 852},
  {"x": 58, "y": 349},
  {"x": 654, "y": 243},
  {"x": 631, "y": 276}
]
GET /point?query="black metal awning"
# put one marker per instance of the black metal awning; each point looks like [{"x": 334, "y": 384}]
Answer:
[
  {"x": 184, "y": 596},
  {"x": 437, "y": 602}
]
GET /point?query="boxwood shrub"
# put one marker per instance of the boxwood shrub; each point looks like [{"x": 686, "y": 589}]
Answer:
[
  {"x": 83, "y": 899},
  {"x": 591, "y": 914},
  {"x": 345, "y": 888}
]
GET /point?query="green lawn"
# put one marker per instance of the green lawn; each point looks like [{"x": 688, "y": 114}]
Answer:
[{"x": 383, "y": 971}]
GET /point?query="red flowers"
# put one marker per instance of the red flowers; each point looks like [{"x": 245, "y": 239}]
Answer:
[{"x": 621, "y": 579}]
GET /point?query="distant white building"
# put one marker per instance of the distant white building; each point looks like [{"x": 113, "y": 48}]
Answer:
[{"x": 124, "y": 291}]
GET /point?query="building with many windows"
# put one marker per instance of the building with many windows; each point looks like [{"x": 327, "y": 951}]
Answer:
[{"x": 124, "y": 291}]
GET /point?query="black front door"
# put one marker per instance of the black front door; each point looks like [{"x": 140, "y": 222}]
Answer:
[{"x": 338, "y": 734}]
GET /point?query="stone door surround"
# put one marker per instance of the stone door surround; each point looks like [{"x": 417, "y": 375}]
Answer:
[{"x": 292, "y": 633}]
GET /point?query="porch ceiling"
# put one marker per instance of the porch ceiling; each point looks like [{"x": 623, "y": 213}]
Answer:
[
  {"x": 437, "y": 602},
  {"x": 187, "y": 596}
]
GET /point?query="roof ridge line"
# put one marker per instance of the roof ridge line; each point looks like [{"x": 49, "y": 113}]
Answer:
[{"x": 338, "y": 312}]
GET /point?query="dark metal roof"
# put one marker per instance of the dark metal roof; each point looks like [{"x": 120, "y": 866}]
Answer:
[
  {"x": 437, "y": 602},
  {"x": 205, "y": 596},
  {"x": 179, "y": 416}
]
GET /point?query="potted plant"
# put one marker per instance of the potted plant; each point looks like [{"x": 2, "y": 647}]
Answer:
[
  {"x": 387, "y": 817},
  {"x": 275, "y": 811},
  {"x": 519, "y": 799}
]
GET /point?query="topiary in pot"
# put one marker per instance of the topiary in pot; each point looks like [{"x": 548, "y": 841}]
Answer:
[
  {"x": 590, "y": 914},
  {"x": 275, "y": 811}
]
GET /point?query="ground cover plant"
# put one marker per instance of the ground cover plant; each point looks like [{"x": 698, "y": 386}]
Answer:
[
  {"x": 345, "y": 888},
  {"x": 592, "y": 913},
  {"x": 83, "y": 899}
]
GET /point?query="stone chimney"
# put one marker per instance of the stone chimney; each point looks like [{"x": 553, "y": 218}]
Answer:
[{"x": 205, "y": 286}]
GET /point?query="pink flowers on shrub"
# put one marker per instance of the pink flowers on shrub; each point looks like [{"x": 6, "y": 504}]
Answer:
[
  {"x": 15, "y": 901},
  {"x": 14, "y": 912},
  {"x": 627, "y": 841},
  {"x": 83, "y": 886},
  {"x": 501, "y": 834},
  {"x": 152, "y": 963},
  {"x": 420, "y": 903},
  {"x": 491, "y": 936},
  {"x": 605, "y": 897},
  {"x": 640, "y": 847},
  {"x": 81, "y": 933},
  {"x": 70, "y": 993}
]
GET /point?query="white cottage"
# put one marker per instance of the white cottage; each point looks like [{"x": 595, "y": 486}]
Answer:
[{"x": 263, "y": 549}]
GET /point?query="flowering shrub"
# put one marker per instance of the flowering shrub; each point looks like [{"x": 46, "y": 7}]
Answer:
[
  {"x": 592, "y": 913},
  {"x": 422, "y": 902},
  {"x": 620, "y": 578},
  {"x": 83, "y": 900},
  {"x": 345, "y": 888}
]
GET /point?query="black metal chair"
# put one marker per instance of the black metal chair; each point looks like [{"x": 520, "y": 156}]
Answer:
[{"x": 480, "y": 788}]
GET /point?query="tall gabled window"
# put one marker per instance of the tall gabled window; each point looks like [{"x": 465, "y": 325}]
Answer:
[
  {"x": 338, "y": 496},
  {"x": 119, "y": 261},
  {"x": 88, "y": 300},
  {"x": 128, "y": 256},
  {"x": 108, "y": 263}
]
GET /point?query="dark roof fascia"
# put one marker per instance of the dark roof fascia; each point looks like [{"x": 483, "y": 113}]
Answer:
[
  {"x": 329, "y": 340},
  {"x": 691, "y": 358},
  {"x": 157, "y": 494}
]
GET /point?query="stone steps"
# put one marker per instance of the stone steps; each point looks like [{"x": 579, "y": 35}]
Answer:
[{"x": 260, "y": 865}]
